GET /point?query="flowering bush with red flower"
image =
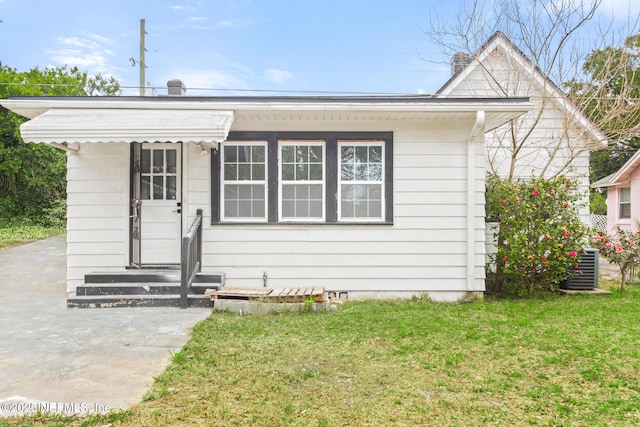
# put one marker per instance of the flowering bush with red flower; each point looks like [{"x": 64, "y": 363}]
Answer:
[
  {"x": 620, "y": 248},
  {"x": 539, "y": 235}
]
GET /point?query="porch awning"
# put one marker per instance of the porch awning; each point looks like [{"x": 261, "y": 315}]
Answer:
[{"x": 71, "y": 125}]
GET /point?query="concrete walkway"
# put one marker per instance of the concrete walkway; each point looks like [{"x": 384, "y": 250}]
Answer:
[{"x": 75, "y": 360}]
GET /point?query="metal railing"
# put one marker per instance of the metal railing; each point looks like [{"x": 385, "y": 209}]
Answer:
[{"x": 190, "y": 258}]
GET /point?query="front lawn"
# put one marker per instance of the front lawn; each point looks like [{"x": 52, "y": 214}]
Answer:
[
  {"x": 15, "y": 235},
  {"x": 551, "y": 361}
]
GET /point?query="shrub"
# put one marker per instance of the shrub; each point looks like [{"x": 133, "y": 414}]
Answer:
[
  {"x": 621, "y": 249},
  {"x": 539, "y": 234}
]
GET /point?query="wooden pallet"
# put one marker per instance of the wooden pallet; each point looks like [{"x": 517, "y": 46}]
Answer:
[{"x": 288, "y": 295}]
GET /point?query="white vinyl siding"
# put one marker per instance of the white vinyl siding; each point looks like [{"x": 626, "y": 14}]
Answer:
[
  {"x": 361, "y": 181},
  {"x": 302, "y": 181},
  {"x": 97, "y": 210},
  {"x": 244, "y": 181},
  {"x": 423, "y": 250}
]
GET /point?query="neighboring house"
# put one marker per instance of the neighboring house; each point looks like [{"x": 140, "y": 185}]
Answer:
[
  {"x": 372, "y": 196},
  {"x": 623, "y": 195},
  {"x": 553, "y": 138}
]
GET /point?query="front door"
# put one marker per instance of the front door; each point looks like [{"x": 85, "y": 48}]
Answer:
[{"x": 161, "y": 200}]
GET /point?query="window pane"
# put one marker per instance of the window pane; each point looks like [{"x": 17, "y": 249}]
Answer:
[
  {"x": 258, "y": 209},
  {"x": 244, "y": 192},
  {"x": 361, "y": 172},
  {"x": 315, "y": 192},
  {"x": 244, "y": 172},
  {"x": 288, "y": 192},
  {"x": 288, "y": 154},
  {"x": 145, "y": 161},
  {"x": 171, "y": 161},
  {"x": 302, "y": 209},
  {"x": 158, "y": 187},
  {"x": 244, "y": 208},
  {"x": 302, "y": 192},
  {"x": 257, "y": 172},
  {"x": 230, "y": 192},
  {"x": 257, "y": 154},
  {"x": 315, "y": 209},
  {"x": 171, "y": 188},
  {"x": 158, "y": 161},
  {"x": 302, "y": 172},
  {"x": 145, "y": 187},
  {"x": 231, "y": 172},
  {"x": 347, "y": 172},
  {"x": 288, "y": 172},
  {"x": 231, "y": 209},
  {"x": 375, "y": 154},
  {"x": 315, "y": 154},
  {"x": 625, "y": 195},
  {"x": 315, "y": 172},
  {"x": 288, "y": 209},
  {"x": 302, "y": 154},
  {"x": 375, "y": 172},
  {"x": 230, "y": 154},
  {"x": 347, "y": 207},
  {"x": 375, "y": 209},
  {"x": 347, "y": 154}
]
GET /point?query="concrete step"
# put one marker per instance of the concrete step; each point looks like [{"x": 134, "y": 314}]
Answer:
[
  {"x": 120, "y": 301},
  {"x": 149, "y": 276},
  {"x": 168, "y": 288}
]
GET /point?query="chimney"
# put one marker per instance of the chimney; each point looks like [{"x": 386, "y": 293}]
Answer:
[
  {"x": 458, "y": 62},
  {"x": 175, "y": 87}
]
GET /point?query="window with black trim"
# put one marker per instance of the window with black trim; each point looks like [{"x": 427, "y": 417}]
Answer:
[
  {"x": 303, "y": 177},
  {"x": 244, "y": 181}
]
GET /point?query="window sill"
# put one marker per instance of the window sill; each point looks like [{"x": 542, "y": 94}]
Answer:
[{"x": 306, "y": 224}]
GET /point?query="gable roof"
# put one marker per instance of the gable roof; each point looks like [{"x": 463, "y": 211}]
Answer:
[
  {"x": 499, "y": 41},
  {"x": 622, "y": 175}
]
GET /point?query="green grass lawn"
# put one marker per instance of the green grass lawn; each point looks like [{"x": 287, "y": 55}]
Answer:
[
  {"x": 552, "y": 361},
  {"x": 15, "y": 235}
]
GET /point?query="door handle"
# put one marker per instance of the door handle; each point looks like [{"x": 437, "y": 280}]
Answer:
[{"x": 177, "y": 211}]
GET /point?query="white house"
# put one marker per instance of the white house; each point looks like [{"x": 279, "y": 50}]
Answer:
[
  {"x": 370, "y": 196},
  {"x": 553, "y": 138}
]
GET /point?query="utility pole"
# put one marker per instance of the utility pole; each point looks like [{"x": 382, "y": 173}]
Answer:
[{"x": 141, "y": 62}]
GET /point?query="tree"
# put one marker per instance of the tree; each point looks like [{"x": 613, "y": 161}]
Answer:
[
  {"x": 549, "y": 34},
  {"x": 32, "y": 176},
  {"x": 609, "y": 92}
]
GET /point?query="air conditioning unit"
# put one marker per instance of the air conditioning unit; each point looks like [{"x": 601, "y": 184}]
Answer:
[{"x": 587, "y": 276}]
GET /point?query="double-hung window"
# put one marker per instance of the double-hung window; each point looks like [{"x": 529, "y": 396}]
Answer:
[
  {"x": 301, "y": 180},
  {"x": 244, "y": 181},
  {"x": 361, "y": 181},
  {"x": 303, "y": 177},
  {"x": 625, "y": 202}
]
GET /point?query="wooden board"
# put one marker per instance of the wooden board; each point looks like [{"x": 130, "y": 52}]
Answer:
[{"x": 283, "y": 295}]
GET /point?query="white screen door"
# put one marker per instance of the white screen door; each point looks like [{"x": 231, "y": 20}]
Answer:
[{"x": 160, "y": 192}]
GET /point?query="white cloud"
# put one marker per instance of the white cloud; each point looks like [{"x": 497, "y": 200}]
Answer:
[
  {"x": 91, "y": 52},
  {"x": 204, "y": 82},
  {"x": 233, "y": 23},
  {"x": 277, "y": 76},
  {"x": 197, "y": 19}
]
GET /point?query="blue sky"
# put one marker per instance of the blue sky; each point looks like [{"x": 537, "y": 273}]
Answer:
[{"x": 351, "y": 46}]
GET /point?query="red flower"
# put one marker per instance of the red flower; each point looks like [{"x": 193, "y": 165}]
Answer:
[
  {"x": 566, "y": 205},
  {"x": 517, "y": 198},
  {"x": 502, "y": 202},
  {"x": 553, "y": 191},
  {"x": 619, "y": 249},
  {"x": 505, "y": 259},
  {"x": 565, "y": 233},
  {"x": 573, "y": 254},
  {"x": 535, "y": 193}
]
